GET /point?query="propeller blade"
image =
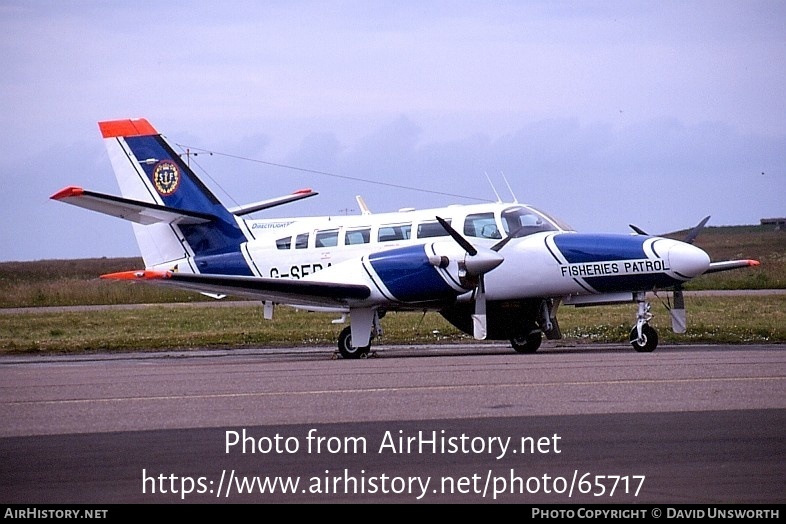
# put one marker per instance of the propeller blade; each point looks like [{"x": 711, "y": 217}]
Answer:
[
  {"x": 479, "y": 317},
  {"x": 679, "y": 322},
  {"x": 499, "y": 245},
  {"x": 638, "y": 230},
  {"x": 463, "y": 242},
  {"x": 695, "y": 231}
]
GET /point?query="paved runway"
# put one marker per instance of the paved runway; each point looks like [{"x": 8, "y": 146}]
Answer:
[{"x": 590, "y": 423}]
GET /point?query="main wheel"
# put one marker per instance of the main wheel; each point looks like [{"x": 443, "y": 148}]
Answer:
[
  {"x": 650, "y": 339},
  {"x": 346, "y": 348},
  {"x": 527, "y": 343}
]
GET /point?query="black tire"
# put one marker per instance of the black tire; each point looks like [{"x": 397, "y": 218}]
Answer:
[
  {"x": 650, "y": 339},
  {"x": 346, "y": 348},
  {"x": 527, "y": 343}
]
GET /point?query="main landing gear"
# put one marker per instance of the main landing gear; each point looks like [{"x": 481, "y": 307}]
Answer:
[
  {"x": 546, "y": 324},
  {"x": 527, "y": 343},
  {"x": 346, "y": 348},
  {"x": 643, "y": 337}
]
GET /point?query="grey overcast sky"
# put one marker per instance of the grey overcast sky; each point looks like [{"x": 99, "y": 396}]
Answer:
[{"x": 605, "y": 113}]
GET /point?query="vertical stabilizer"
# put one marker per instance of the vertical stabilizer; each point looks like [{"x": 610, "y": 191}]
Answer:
[{"x": 149, "y": 170}]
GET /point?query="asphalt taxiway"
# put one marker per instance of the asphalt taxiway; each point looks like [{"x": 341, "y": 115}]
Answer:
[{"x": 466, "y": 423}]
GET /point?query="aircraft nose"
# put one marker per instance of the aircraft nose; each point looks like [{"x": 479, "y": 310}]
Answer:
[{"x": 687, "y": 260}]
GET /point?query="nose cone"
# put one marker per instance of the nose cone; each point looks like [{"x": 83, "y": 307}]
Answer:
[{"x": 687, "y": 260}]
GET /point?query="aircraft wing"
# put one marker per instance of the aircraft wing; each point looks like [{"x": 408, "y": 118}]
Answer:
[
  {"x": 726, "y": 265},
  {"x": 279, "y": 290},
  {"x": 133, "y": 210}
]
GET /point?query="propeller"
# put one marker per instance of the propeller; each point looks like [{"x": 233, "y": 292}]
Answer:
[
  {"x": 691, "y": 237},
  {"x": 679, "y": 322},
  {"x": 638, "y": 230},
  {"x": 477, "y": 263}
]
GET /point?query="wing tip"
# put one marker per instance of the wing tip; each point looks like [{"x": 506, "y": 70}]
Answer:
[{"x": 68, "y": 192}]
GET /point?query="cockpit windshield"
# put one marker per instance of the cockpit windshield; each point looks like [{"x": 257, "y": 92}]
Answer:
[{"x": 523, "y": 221}]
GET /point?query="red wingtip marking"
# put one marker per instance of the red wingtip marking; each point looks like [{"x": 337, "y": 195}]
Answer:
[
  {"x": 753, "y": 263},
  {"x": 70, "y": 191},
  {"x": 142, "y": 274},
  {"x": 304, "y": 191},
  {"x": 128, "y": 127}
]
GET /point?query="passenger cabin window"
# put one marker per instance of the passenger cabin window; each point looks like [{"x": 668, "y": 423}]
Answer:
[
  {"x": 357, "y": 236},
  {"x": 327, "y": 238},
  {"x": 521, "y": 222},
  {"x": 432, "y": 229},
  {"x": 284, "y": 243},
  {"x": 301, "y": 242},
  {"x": 481, "y": 225},
  {"x": 394, "y": 232}
]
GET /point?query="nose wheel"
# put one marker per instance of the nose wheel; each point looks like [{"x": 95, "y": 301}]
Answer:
[
  {"x": 646, "y": 342},
  {"x": 643, "y": 337}
]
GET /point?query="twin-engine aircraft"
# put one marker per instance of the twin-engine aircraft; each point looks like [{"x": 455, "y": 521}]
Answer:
[{"x": 496, "y": 271}]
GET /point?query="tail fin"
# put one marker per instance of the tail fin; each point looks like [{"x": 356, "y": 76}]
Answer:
[{"x": 150, "y": 172}]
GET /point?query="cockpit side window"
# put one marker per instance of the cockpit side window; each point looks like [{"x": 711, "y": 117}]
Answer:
[
  {"x": 481, "y": 225},
  {"x": 522, "y": 222}
]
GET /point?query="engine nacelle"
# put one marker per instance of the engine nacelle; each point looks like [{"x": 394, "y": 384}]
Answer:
[{"x": 433, "y": 272}]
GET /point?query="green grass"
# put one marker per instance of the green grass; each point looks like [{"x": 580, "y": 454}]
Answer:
[
  {"x": 710, "y": 320},
  {"x": 76, "y": 282}
]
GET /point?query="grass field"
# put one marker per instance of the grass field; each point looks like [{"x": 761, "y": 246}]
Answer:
[{"x": 169, "y": 323}]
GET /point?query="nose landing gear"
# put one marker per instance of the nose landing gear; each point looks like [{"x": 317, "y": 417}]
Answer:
[{"x": 643, "y": 337}]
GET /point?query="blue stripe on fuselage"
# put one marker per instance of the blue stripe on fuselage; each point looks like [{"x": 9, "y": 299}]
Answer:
[
  {"x": 409, "y": 276},
  {"x": 579, "y": 247}
]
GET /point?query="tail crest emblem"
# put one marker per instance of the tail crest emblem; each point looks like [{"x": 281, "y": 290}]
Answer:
[{"x": 166, "y": 178}]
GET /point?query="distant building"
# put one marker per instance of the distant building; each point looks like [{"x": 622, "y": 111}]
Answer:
[{"x": 779, "y": 223}]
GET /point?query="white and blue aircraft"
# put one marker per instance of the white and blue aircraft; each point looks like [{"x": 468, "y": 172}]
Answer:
[{"x": 496, "y": 271}]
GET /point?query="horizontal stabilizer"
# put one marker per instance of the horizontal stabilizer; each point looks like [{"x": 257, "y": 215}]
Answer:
[
  {"x": 279, "y": 290},
  {"x": 726, "y": 265},
  {"x": 133, "y": 210},
  {"x": 272, "y": 202}
]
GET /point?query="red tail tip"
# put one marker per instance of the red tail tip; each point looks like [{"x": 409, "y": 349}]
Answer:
[{"x": 128, "y": 127}]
